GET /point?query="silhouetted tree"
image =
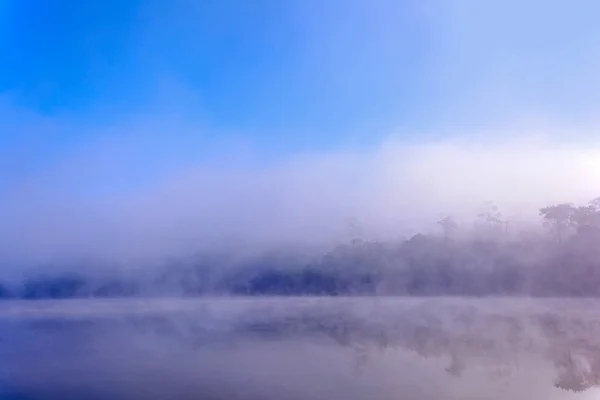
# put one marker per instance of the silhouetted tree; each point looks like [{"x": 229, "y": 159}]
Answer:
[
  {"x": 491, "y": 215},
  {"x": 586, "y": 219},
  {"x": 558, "y": 218},
  {"x": 449, "y": 226}
]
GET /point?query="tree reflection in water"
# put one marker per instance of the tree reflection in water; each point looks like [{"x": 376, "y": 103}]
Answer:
[
  {"x": 570, "y": 341},
  {"x": 495, "y": 336}
]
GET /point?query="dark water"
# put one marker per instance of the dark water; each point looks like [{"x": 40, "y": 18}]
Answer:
[{"x": 287, "y": 348}]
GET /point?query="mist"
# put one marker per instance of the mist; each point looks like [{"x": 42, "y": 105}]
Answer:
[
  {"x": 430, "y": 111},
  {"x": 357, "y": 348},
  {"x": 393, "y": 189},
  {"x": 299, "y": 200}
]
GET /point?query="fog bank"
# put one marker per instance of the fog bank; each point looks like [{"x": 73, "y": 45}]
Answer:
[{"x": 395, "y": 188}]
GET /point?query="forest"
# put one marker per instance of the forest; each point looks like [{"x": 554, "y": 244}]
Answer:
[{"x": 560, "y": 256}]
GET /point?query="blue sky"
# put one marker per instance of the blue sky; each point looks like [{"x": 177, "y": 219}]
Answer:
[
  {"x": 241, "y": 60},
  {"x": 109, "y": 98},
  {"x": 278, "y": 76},
  {"x": 285, "y": 76}
]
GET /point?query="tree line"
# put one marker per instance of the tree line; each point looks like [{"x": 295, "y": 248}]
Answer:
[{"x": 559, "y": 257}]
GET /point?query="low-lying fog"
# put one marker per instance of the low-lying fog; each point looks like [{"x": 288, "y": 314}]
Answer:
[
  {"x": 292, "y": 348},
  {"x": 314, "y": 347},
  {"x": 393, "y": 189}
]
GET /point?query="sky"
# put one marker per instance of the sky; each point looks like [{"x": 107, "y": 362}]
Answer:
[{"x": 154, "y": 122}]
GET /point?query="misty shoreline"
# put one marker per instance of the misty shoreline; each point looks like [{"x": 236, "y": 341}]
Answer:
[{"x": 557, "y": 258}]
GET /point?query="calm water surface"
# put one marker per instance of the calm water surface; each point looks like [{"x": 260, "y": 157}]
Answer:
[{"x": 300, "y": 348}]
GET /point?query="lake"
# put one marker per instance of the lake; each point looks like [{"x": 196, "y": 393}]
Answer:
[{"x": 300, "y": 348}]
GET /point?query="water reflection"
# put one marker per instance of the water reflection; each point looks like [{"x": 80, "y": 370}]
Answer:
[{"x": 367, "y": 348}]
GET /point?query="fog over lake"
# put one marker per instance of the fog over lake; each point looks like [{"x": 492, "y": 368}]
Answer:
[
  {"x": 300, "y": 348},
  {"x": 299, "y": 200}
]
